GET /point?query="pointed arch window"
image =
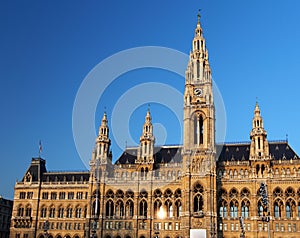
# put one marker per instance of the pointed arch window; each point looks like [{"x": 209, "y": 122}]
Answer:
[
  {"x": 20, "y": 211},
  {"x": 290, "y": 208},
  {"x": 52, "y": 212},
  {"x": 43, "y": 212},
  {"x": 119, "y": 208},
  {"x": 245, "y": 209},
  {"x": 78, "y": 212},
  {"x": 234, "y": 209},
  {"x": 157, "y": 208},
  {"x": 169, "y": 208},
  {"x": 260, "y": 209},
  {"x": 60, "y": 212},
  {"x": 69, "y": 212},
  {"x": 223, "y": 209},
  {"x": 278, "y": 205},
  {"x": 198, "y": 198},
  {"x": 129, "y": 208},
  {"x": 198, "y": 130},
  {"x": 178, "y": 208},
  {"x": 28, "y": 211},
  {"x": 143, "y": 208},
  {"x": 109, "y": 208}
]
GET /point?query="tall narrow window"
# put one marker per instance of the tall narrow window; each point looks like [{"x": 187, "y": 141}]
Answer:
[
  {"x": 260, "y": 209},
  {"x": 198, "y": 130},
  {"x": 277, "y": 211},
  {"x": 288, "y": 210},
  {"x": 109, "y": 208},
  {"x": 143, "y": 208},
  {"x": 195, "y": 130},
  {"x": 245, "y": 209},
  {"x": 198, "y": 69},
  {"x": 201, "y": 130}
]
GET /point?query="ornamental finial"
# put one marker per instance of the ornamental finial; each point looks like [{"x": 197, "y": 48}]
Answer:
[{"x": 199, "y": 16}]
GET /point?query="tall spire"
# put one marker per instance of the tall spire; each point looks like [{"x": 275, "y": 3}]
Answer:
[{"x": 198, "y": 69}]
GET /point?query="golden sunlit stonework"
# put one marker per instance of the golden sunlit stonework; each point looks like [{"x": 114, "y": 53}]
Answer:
[{"x": 198, "y": 189}]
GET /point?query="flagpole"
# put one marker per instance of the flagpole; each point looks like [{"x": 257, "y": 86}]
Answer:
[{"x": 40, "y": 148}]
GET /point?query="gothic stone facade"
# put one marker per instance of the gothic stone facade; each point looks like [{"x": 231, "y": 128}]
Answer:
[{"x": 169, "y": 191}]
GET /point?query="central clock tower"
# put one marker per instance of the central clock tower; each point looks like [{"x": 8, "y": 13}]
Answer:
[{"x": 199, "y": 150}]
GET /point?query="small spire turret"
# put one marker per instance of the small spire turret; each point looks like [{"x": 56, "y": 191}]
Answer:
[
  {"x": 103, "y": 141},
  {"x": 147, "y": 140},
  {"x": 258, "y": 136}
]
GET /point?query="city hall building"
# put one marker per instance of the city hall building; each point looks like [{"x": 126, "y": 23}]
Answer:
[{"x": 197, "y": 189}]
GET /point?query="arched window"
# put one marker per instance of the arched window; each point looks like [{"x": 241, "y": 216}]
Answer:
[
  {"x": 290, "y": 208},
  {"x": 96, "y": 207},
  {"x": 157, "y": 208},
  {"x": 169, "y": 208},
  {"x": 129, "y": 208},
  {"x": 245, "y": 208},
  {"x": 233, "y": 209},
  {"x": 198, "y": 203},
  {"x": 143, "y": 208},
  {"x": 20, "y": 211},
  {"x": 178, "y": 208},
  {"x": 260, "y": 209},
  {"x": 43, "y": 212},
  {"x": 109, "y": 208},
  {"x": 52, "y": 212},
  {"x": 198, "y": 129},
  {"x": 198, "y": 197},
  {"x": 223, "y": 209},
  {"x": 28, "y": 211},
  {"x": 60, "y": 213},
  {"x": 69, "y": 212},
  {"x": 119, "y": 208},
  {"x": 278, "y": 205},
  {"x": 78, "y": 212}
]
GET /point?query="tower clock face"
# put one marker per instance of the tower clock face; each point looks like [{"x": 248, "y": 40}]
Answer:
[{"x": 198, "y": 92}]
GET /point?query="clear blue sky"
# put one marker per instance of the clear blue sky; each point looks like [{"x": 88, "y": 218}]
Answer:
[{"x": 48, "y": 47}]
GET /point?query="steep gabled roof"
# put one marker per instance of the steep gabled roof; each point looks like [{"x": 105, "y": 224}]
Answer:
[
  {"x": 162, "y": 154},
  {"x": 241, "y": 151}
]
